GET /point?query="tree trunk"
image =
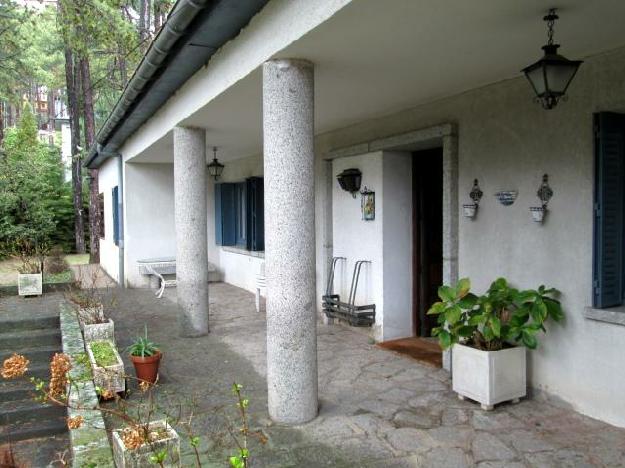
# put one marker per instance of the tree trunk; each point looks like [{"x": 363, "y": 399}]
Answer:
[
  {"x": 89, "y": 123},
  {"x": 1, "y": 122},
  {"x": 72, "y": 80}
]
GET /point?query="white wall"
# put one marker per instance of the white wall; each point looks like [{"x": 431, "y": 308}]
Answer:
[
  {"x": 384, "y": 241},
  {"x": 148, "y": 216},
  {"x": 397, "y": 245},
  {"x": 508, "y": 142},
  {"x": 109, "y": 252}
]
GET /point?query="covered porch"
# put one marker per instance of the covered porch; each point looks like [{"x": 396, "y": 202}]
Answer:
[
  {"x": 360, "y": 85},
  {"x": 377, "y": 408}
]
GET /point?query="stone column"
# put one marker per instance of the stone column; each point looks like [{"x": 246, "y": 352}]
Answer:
[
  {"x": 190, "y": 185},
  {"x": 290, "y": 240}
]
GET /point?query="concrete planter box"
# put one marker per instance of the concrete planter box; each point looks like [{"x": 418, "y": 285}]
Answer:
[
  {"x": 110, "y": 377},
  {"x": 85, "y": 315},
  {"x": 29, "y": 284},
  {"x": 140, "y": 458},
  {"x": 489, "y": 377},
  {"x": 99, "y": 331}
]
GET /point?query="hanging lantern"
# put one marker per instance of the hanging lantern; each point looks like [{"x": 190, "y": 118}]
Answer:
[
  {"x": 215, "y": 168},
  {"x": 551, "y": 75}
]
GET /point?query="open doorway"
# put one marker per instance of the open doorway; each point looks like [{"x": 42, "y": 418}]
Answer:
[{"x": 427, "y": 203}]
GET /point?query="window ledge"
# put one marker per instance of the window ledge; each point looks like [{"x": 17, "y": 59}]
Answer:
[
  {"x": 614, "y": 315},
  {"x": 240, "y": 251}
]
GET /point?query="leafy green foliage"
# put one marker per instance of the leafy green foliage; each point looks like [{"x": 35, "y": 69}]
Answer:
[
  {"x": 503, "y": 316},
  {"x": 103, "y": 353},
  {"x": 142, "y": 346},
  {"x": 35, "y": 202}
]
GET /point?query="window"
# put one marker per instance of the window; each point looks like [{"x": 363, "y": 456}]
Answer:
[
  {"x": 609, "y": 210},
  {"x": 239, "y": 214},
  {"x": 100, "y": 208},
  {"x": 116, "y": 217}
]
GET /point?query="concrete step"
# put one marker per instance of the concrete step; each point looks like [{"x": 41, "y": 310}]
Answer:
[
  {"x": 42, "y": 451},
  {"x": 37, "y": 355},
  {"x": 33, "y": 429},
  {"x": 16, "y": 340},
  {"x": 13, "y": 390},
  {"x": 40, "y": 371},
  {"x": 36, "y": 323},
  {"x": 22, "y": 411}
]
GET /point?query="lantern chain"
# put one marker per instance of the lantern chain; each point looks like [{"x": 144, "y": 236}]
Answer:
[{"x": 550, "y": 19}]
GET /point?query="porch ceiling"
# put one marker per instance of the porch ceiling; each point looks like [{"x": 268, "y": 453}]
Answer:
[{"x": 374, "y": 58}]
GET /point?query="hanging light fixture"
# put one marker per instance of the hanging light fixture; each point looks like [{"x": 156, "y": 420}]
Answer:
[
  {"x": 215, "y": 168},
  {"x": 551, "y": 75}
]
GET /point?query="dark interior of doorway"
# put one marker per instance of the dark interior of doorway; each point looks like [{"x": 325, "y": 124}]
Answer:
[{"x": 427, "y": 202}]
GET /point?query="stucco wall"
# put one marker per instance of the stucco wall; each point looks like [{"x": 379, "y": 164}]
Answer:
[
  {"x": 508, "y": 142},
  {"x": 148, "y": 216},
  {"x": 109, "y": 252},
  {"x": 384, "y": 241}
]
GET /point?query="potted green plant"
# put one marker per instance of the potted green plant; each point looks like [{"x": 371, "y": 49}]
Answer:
[
  {"x": 146, "y": 358},
  {"x": 488, "y": 335},
  {"x": 107, "y": 366}
]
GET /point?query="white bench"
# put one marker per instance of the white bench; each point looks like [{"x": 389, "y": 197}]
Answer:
[{"x": 158, "y": 267}]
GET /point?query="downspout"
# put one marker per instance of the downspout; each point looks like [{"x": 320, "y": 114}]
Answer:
[{"x": 120, "y": 217}]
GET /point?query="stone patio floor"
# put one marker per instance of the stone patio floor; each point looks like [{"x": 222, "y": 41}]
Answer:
[{"x": 377, "y": 408}]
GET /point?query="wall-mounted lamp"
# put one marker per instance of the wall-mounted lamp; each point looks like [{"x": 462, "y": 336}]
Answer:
[
  {"x": 544, "y": 194},
  {"x": 551, "y": 75},
  {"x": 475, "y": 194},
  {"x": 350, "y": 180},
  {"x": 215, "y": 168}
]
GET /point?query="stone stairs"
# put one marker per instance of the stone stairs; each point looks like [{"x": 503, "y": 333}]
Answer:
[{"x": 21, "y": 417}]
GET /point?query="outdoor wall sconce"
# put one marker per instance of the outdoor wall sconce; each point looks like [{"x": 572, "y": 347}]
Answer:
[
  {"x": 367, "y": 204},
  {"x": 475, "y": 194},
  {"x": 350, "y": 180},
  {"x": 544, "y": 194},
  {"x": 215, "y": 168},
  {"x": 551, "y": 75}
]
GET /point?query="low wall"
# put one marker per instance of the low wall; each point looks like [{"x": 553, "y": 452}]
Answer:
[{"x": 89, "y": 443}]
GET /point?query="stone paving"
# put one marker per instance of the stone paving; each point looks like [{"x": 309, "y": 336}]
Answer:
[{"x": 378, "y": 409}]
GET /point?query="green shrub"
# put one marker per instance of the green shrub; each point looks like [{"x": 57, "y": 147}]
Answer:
[
  {"x": 502, "y": 317},
  {"x": 103, "y": 353}
]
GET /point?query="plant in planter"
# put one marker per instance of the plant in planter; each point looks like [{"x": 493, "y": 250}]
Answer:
[
  {"x": 89, "y": 301},
  {"x": 146, "y": 358},
  {"x": 489, "y": 334},
  {"x": 107, "y": 367},
  {"x": 30, "y": 272}
]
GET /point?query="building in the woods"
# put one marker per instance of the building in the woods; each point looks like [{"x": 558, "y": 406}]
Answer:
[{"x": 424, "y": 99}]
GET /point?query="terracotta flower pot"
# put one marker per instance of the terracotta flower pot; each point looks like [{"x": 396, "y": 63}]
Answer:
[{"x": 146, "y": 368}]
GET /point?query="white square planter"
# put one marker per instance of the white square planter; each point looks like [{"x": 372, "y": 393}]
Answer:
[
  {"x": 99, "y": 331},
  {"x": 140, "y": 458},
  {"x": 29, "y": 284},
  {"x": 85, "y": 315},
  {"x": 489, "y": 377},
  {"x": 110, "y": 377}
]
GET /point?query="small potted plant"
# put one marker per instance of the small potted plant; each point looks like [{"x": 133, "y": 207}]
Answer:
[
  {"x": 146, "y": 445},
  {"x": 107, "y": 367},
  {"x": 146, "y": 358},
  {"x": 30, "y": 272},
  {"x": 488, "y": 335}
]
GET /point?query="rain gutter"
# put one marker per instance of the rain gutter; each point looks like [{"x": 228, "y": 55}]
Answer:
[{"x": 193, "y": 32}]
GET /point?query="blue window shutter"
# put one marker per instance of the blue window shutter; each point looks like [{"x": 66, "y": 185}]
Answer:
[
  {"x": 225, "y": 214},
  {"x": 218, "y": 223},
  {"x": 241, "y": 226},
  {"x": 115, "y": 210},
  {"x": 609, "y": 210},
  {"x": 255, "y": 214}
]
